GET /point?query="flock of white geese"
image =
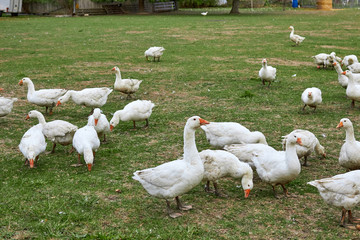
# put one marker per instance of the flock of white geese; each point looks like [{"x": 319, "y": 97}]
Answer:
[{"x": 242, "y": 151}]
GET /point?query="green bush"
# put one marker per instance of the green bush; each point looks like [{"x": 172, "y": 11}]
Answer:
[{"x": 197, "y": 3}]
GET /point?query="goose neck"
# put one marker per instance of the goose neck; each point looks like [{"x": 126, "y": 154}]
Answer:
[
  {"x": 41, "y": 118},
  {"x": 30, "y": 86},
  {"x": 118, "y": 75},
  {"x": 190, "y": 151},
  {"x": 350, "y": 134},
  {"x": 291, "y": 156}
]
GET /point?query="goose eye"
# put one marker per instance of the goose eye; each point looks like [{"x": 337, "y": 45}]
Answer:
[
  {"x": 344, "y": 120},
  {"x": 194, "y": 119}
]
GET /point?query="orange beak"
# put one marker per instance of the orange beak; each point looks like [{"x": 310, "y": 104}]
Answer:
[
  {"x": 21, "y": 82},
  {"x": 31, "y": 163},
  {"x": 58, "y": 103},
  {"x": 298, "y": 140},
  {"x": 324, "y": 155},
  {"x": 96, "y": 121},
  {"x": 89, "y": 167},
  {"x": 343, "y": 73},
  {"x": 203, "y": 122},
  {"x": 113, "y": 69},
  {"x": 247, "y": 192},
  {"x": 1, "y": 89},
  {"x": 27, "y": 117},
  {"x": 111, "y": 127},
  {"x": 334, "y": 63},
  {"x": 309, "y": 94},
  {"x": 340, "y": 125}
]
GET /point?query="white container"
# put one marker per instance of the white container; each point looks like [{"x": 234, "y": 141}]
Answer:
[{"x": 10, "y": 6}]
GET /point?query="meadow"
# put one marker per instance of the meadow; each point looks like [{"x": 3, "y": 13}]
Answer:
[{"x": 210, "y": 69}]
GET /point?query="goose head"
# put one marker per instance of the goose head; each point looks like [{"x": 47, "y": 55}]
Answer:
[
  {"x": 247, "y": 184},
  {"x": 291, "y": 27},
  {"x": 310, "y": 94},
  {"x": 293, "y": 138},
  {"x": 115, "y": 119},
  {"x": 24, "y": 80},
  {"x": 96, "y": 114},
  {"x": 116, "y": 69},
  {"x": 344, "y": 122},
  {"x": 347, "y": 73},
  {"x": 195, "y": 122},
  {"x": 32, "y": 114},
  {"x": 264, "y": 62},
  {"x": 89, "y": 158}
]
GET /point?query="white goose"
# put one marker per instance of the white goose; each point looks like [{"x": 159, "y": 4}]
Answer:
[
  {"x": 311, "y": 97},
  {"x": 353, "y": 89},
  {"x": 348, "y": 60},
  {"x": 89, "y": 97},
  {"x": 278, "y": 167},
  {"x": 177, "y": 177},
  {"x": 32, "y": 144},
  {"x": 267, "y": 73},
  {"x": 342, "y": 191},
  {"x": 139, "y": 110},
  {"x": 309, "y": 144},
  {"x": 155, "y": 52},
  {"x": 219, "y": 163},
  {"x": 127, "y": 86},
  {"x": 295, "y": 38},
  {"x": 44, "y": 97},
  {"x": 331, "y": 59},
  {"x": 220, "y": 134},
  {"x": 99, "y": 122},
  {"x": 349, "y": 157},
  {"x": 320, "y": 59},
  {"x": 57, "y": 131},
  {"x": 6, "y": 105},
  {"x": 344, "y": 80},
  {"x": 354, "y": 68},
  {"x": 86, "y": 142}
]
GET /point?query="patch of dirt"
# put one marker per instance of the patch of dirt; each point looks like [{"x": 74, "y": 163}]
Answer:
[
  {"x": 137, "y": 32},
  {"x": 336, "y": 47},
  {"x": 279, "y": 61}
]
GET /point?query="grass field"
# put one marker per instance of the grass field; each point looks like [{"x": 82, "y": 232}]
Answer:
[{"x": 210, "y": 69}]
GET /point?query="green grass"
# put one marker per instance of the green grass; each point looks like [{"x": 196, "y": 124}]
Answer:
[{"x": 209, "y": 69}]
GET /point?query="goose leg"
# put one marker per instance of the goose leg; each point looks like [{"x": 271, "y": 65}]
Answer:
[
  {"x": 104, "y": 138},
  {"x": 170, "y": 212},
  {"x": 207, "y": 186},
  {"x": 286, "y": 193},
  {"x": 275, "y": 195},
  {"x": 46, "y": 109},
  {"x": 305, "y": 162},
  {"x": 304, "y": 107},
  {"x": 53, "y": 149},
  {"x": 217, "y": 192},
  {"x": 71, "y": 150},
  {"x": 353, "y": 104},
  {"x": 263, "y": 81},
  {"x": 147, "y": 123},
  {"x": 134, "y": 124},
  {"x": 343, "y": 215},
  {"x": 269, "y": 83},
  {"x": 182, "y": 207},
  {"x": 36, "y": 160},
  {"x": 51, "y": 111},
  {"x": 352, "y": 219},
  {"x": 26, "y": 162},
  {"x": 314, "y": 109}
]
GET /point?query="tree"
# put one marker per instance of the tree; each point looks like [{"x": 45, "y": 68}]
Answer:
[{"x": 235, "y": 7}]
